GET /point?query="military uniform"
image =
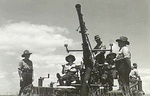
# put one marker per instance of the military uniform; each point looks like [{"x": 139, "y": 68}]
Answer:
[
  {"x": 25, "y": 70},
  {"x": 99, "y": 56},
  {"x": 123, "y": 64},
  {"x": 109, "y": 69},
  {"x": 69, "y": 71},
  {"x": 134, "y": 76}
]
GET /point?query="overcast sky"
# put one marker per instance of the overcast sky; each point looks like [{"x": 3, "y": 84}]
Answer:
[{"x": 42, "y": 27}]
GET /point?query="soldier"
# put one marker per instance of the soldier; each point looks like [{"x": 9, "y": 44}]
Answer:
[
  {"x": 109, "y": 68},
  {"x": 123, "y": 64},
  {"x": 68, "y": 70},
  {"x": 25, "y": 71},
  {"x": 99, "y": 55},
  {"x": 134, "y": 75}
]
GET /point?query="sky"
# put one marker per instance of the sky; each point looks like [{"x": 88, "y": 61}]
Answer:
[{"x": 43, "y": 26}]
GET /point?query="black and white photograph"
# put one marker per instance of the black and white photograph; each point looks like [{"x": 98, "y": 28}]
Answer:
[{"x": 74, "y": 47}]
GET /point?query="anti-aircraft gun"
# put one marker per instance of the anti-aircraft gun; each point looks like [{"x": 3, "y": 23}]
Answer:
[
  {"x": 89, "y": 63},
  {"x": 88, "y": 56}
]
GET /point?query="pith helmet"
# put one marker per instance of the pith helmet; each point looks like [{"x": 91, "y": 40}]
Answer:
[
  {"x": 70, "y": 57},
  {"x": 124, "y": 39},
  {"x": 26, "y": 52}
]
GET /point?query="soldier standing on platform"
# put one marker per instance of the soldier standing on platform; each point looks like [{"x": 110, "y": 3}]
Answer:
[
  {"x": 25, "y": 71},
  {"x": 99, "y": 55},
  {"x": 123, "y": 64}
]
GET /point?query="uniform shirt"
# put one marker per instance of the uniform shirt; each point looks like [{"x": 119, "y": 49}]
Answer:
[
  {"x": 69, "y": 67},
  {"x": 102, "y": 47},
  {"x": 123, "y": 53},
  {"x": 134, "y": 73},
  {"x": 99, "y": 55},
  {"x": 25, "y": 67}
]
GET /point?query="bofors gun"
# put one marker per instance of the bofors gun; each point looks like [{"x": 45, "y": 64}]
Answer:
[{"x": 88, "y": 56}]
